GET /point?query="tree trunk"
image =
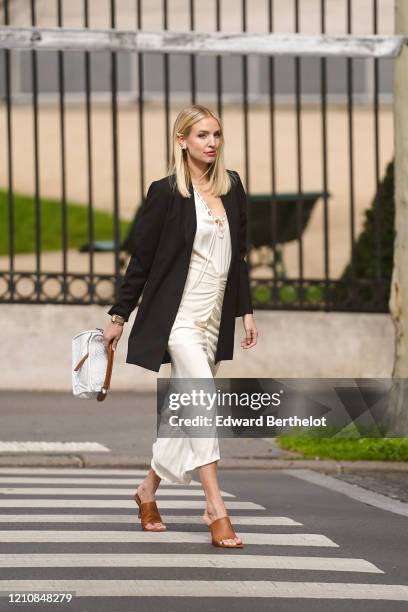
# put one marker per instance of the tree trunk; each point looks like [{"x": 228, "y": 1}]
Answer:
[{"x": 397, "y": 413}]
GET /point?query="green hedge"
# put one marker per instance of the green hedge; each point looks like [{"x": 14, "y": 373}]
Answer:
[
  {"x": 365, "y": 248},
  {"x": 365, "y": 259}
]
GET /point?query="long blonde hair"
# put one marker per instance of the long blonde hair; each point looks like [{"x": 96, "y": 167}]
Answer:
[{"x": 219, "y": 179}]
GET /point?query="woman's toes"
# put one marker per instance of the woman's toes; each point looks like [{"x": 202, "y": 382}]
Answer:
[
  {"x": 229, "y": 542},
  {"x": 155, "y": 526},
  {"x": 160, "y": 526},
  {"x": 232, "y": 541}
]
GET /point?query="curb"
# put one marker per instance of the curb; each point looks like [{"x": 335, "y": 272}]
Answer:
[{"x": 89, "y": 460}]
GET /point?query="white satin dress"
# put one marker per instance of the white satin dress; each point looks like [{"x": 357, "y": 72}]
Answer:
[{"x": 193, "y": 339}]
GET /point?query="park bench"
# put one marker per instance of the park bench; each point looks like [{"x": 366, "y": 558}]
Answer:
[{"x": 278, "y": 219}]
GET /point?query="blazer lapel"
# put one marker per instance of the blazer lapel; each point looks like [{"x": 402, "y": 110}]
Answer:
[
  {"x": 189, "y": 219},
  {"x": 231, "y": 208}
]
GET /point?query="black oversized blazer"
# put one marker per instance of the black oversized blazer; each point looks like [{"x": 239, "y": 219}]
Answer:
[{"x": 159, "y": 265}]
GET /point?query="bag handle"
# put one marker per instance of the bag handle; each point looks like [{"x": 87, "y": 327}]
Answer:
[{"x": 102, "y": 393}]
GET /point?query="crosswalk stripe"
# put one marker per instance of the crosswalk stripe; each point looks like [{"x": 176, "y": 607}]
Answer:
[
  {"x": 5, "y": 480},
  {"x": 206, "y": 588},
  {"x": 52, "y": 447},
  {"x": 74, "y": 471},
  {"x": 120, "y": 503},
  {"x": 45, "y": 536},
  {"x": 188, "y": 560},
  {"x": 161, "y": 492},
  {"x": 130, "y": 518}
]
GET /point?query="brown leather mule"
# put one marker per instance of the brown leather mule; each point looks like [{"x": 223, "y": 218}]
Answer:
[
  {"x": 222, "y": 529},
  {"x": 148, "y": 513}
]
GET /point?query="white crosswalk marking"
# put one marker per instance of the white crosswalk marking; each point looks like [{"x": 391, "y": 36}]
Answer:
[
  {"x": 52, "y": 447},
  {"x": 162, "y": 492},
  {"x": 4, "y": 480},
  {"x": 186, "y": 560},
  {"x": 21, "y": 488},
  {"x": 73, "y": 471},
  {"x": 130, "y": 518},
  {"x": 118, "y": 503},
  {"x": 278, "y": 539},
  {"x": 205, "y": 588}
]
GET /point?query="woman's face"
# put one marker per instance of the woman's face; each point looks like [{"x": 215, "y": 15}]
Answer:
[{"x": 203, "y": 140}]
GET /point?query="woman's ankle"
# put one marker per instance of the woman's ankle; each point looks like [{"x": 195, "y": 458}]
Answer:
[
  {"x": 215, "y": 510},
  {"x": 143, "y": 490}
]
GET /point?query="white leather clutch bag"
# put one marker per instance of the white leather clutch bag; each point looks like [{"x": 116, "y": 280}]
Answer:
[{"x": 91, "y": 365}]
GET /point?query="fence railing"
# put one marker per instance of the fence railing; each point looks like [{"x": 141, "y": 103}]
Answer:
[{"x": 308, "y": 182}]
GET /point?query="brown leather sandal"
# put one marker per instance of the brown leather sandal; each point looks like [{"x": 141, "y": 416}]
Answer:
[
  {"x": 222, "y": 529},
  {"x": 148, "y": 513}
]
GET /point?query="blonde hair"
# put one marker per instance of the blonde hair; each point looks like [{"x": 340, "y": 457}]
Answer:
[{"x": 219, "y": 179}]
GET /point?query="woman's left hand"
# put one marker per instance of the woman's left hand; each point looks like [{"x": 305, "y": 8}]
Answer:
[{"x": 250, "y": 331}]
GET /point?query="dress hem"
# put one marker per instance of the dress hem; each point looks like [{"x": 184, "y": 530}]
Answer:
[{"x": 188, "y": 477}]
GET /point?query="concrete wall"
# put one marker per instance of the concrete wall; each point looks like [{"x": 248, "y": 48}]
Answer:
[{"x": 35, "y": 352}]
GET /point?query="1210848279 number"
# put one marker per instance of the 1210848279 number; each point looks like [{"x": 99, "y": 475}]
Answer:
[{"x": 39, "y": 597}]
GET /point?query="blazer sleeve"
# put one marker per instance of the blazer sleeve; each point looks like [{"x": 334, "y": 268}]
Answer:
[
  {"x": 147, "y": 234},
  {"x": 244, "y": 300}
]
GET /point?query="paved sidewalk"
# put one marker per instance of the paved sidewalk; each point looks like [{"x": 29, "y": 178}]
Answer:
[
  {"x": 393, "y": 484},
  {"x": 285, "y": 461}
]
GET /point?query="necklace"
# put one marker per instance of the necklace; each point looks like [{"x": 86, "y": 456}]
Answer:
[
  {"x": 218, "y": 222},
  {"x": 208, "y": 209}
]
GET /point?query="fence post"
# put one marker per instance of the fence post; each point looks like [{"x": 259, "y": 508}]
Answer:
[{"x": 398, "y": 405}]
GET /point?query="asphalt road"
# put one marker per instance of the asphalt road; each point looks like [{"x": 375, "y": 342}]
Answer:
[
  {"x": 311, "y": 541},
  {"x": 315, "y": 549}
]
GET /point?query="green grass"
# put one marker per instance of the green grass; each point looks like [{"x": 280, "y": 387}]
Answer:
[
  {"x": 380, "y": 449},
  {"x": 51, "y": 224}
]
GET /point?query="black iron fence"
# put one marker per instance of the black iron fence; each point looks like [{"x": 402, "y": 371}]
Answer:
[{"x": 306, "y": 236}]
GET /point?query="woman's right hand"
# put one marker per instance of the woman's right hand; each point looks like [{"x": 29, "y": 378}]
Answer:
[{"x": 112, "y": 332}]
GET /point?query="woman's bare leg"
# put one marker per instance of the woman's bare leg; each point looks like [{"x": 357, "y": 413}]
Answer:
[
  {"x": 146, "y": 491},
  {"x": 215, "y": 504}
]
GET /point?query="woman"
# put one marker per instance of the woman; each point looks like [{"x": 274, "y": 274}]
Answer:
[{"x": 189, "y": 261}]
